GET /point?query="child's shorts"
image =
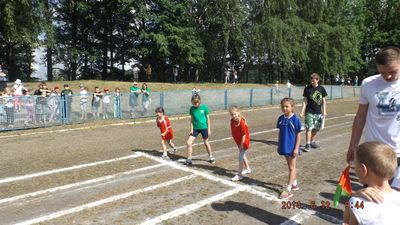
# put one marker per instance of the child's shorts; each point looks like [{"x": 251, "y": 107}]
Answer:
[
  {"x": 203, "y": 132},
  {"x": 313, "y": 121},
  {"x": 168, "y": 136}
]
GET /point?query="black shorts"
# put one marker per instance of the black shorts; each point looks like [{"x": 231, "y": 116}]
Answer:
[{"x": 203, "y": 132}]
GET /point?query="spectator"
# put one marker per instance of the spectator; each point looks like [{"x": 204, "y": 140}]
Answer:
[
  {"x": 9, "y": 107},
  {"x": 175, "y": 73},
  {"x": 83, "y": 101},
  {"x": 133, "y": 98},
  {"x": 3, "y": 80},
  {"x": 30, "y": 108},
  {"x": 66, "y": 96},
  {"x": 195, "y": 91},
  {"x": 117, "y": 103},
  {"x": 136, "y": 70},
  {"x": 54, "y": 103},
  {"x": 227, "y": 75},
  {"x": 17, "y": 94},
  {"x": 41, "y": 102},
  {"x": 96, "y": 99},
  {"x": 146, "y": 100},
  {"x": 106, "y": 102},
  {"x": 148, "y": 71}
]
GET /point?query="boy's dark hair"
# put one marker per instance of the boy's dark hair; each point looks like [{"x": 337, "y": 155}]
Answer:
[
  {"x": 159, "y": 109},
  {"x": 196, "y": 97},
  {"x": 66, "y": 85},
  {"x": 387, "y": 56},
  {"x": 377, "y": 157}
]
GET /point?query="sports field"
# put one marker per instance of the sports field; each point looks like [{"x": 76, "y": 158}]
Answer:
[{"x": 113, "y": 174}]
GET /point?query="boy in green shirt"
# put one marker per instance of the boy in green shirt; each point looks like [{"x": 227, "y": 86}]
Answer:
[{"x": 199, "y": 124}]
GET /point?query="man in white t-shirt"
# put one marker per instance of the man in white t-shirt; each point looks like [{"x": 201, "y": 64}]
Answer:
[
  {"x": 135, "y": 73},
  {"x": 379, "y": 106}
]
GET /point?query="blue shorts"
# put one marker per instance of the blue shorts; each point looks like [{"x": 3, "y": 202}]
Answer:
[{"x": 203, "y": 132}]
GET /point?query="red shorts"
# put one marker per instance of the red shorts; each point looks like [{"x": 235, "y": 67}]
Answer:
[{"x": 168, "y": 136}]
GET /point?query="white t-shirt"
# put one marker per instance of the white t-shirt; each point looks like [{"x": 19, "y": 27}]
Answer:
[
  {"x": 383, "y": 117},
  {"x": 385, "y": 213},
  {"x": 83, "y": 96},
  {"x": 18, "y": 89}
]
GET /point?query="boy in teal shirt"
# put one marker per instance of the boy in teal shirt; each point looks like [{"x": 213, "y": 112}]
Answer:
[{"x": 199, "y": 124}]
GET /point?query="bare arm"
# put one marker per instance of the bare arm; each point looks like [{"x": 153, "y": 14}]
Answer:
[
  {"x": 303, "y": 106},
  {"x": 324, "y": 107},
  {"x": 358, "y": 126}
]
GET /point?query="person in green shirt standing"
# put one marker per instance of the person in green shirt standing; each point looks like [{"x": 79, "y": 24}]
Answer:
[
  {"x": 199, "y": 124},
  {"x": 133, "y": 98}
]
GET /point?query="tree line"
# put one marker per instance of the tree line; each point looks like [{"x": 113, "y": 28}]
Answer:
[{"x": 267, "y": 40}]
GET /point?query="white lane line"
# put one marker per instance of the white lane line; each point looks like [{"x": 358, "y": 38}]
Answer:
[
  {"x": 77, "y": 184},
  {"x": 17, "y": 178},
  {"x": 192, "y": 207},
  {"x": 103, "y": 201},
  {"x": 306, "y": 213},
  {"x": 243, "y": 187}
]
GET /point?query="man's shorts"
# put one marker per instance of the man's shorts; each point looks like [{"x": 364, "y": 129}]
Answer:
[
  {"x": 313, "y": 121},
  {"x": 203, "y": 132}
]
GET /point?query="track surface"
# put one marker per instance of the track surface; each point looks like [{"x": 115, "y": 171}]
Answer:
[{"x": 113, "y": 174}]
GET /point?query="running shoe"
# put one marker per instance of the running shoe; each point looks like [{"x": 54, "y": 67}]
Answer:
[
  {"x": 286, "y": 195},
  {"x": 295, "y": 187},
  {"x": 237, "y": 177},
  {"x": 246, "y": 171}
]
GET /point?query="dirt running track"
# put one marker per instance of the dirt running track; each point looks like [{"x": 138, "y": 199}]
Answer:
[{"x": 113, "y": 174}]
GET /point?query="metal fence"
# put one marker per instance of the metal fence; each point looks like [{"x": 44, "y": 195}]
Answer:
[{"x": 36, "y": 111}]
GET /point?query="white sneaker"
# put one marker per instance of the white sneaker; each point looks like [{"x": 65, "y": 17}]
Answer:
[
  {"x": 237, "y": 177},
  {"x": 246, "y": 171},
  {"x": 165, "y": 157}
]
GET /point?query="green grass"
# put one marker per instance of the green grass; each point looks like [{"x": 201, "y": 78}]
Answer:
[{"x": 155, "y": 86}]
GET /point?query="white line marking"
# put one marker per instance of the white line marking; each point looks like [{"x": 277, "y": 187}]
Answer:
[
  {"x": 242, "y": 187},
  {"x": 306, "y": 213},
  {"x": 103, "y": 201},
  {"x": 77, "y": 184},
  {"x": 12, "y": 179},
  {"x": 188, "y": 208}
]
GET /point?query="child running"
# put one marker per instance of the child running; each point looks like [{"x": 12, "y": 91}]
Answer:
[
  {"x": 289, "y": 143},
  {"x": 241, "y": 135},
  {"x": 199, "y": 124},
  {"x": 167, "y": 134}
]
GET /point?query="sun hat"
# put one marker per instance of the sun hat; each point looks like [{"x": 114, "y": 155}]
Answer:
[{"x": 18, "y": 81}]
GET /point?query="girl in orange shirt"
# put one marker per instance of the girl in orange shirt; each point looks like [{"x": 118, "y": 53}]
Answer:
[
  {"x": 241, "y": 135},
  {"x": 167, "y": 134}
]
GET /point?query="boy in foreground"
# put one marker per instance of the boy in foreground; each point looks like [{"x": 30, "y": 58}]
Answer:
[{"x": 375, "y": 164}]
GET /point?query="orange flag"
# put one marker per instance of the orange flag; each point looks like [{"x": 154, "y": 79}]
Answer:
[{"x": 343, "y": 187}]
